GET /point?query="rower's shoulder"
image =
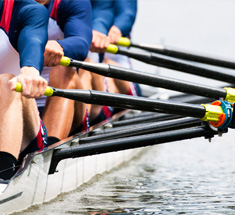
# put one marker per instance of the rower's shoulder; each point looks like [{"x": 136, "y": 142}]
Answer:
[
  {"x": 29, "y": 8},
  {"x": 75, "y": 4}
]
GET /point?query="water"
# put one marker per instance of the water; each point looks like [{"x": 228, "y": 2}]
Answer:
[{"x": 186, "y": 177}]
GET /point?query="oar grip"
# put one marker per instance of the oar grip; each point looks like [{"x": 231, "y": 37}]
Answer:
[
  {"x": 19, "y": 87},
  {"x": 112, "y": 49},
  {"x": 65, "y": 61},
  {"x": 48, "y": 91},
  {"x": 230, "y": 97},
  {"x": 123, "y": 41}
]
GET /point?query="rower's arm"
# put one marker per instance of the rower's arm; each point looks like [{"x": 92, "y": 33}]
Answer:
[
  {"x": 75, "y": 21},
  {"x": 32, "y": 25},
  {"x": 125, "y": 14},
  {"x": 102, "y": 15}
]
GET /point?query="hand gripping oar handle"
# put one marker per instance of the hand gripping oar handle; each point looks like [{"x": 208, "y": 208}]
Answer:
[{"x": 19, "y": 88}]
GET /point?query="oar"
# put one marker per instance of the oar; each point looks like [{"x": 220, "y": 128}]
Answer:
[
  {"x": 145, "y": 129},
  {"x": 127, "y": 143},
  {"x": 174, "y": 64},
  {"x": 218, "y": 114},
  {"x": 145, "y": 119},
  {"x": 177, "y": 53},
  {"x": 154, "y": 80}
]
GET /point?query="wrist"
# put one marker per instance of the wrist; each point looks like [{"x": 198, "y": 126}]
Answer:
[{"x": 28, "y": 70}]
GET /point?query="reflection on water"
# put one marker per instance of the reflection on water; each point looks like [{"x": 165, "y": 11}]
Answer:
[{"x": 187, "y": 177}]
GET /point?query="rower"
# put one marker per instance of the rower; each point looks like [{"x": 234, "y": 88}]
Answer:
[
  {"x": 102, "y": 17},
  {"x": 117, "y": 12},
  {"x": 70, "y": 34},
  {"x": 23, "y": 36},
  {"x": 125, "y": 15}
]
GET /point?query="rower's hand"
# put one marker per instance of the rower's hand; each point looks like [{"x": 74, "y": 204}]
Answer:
[
  {"x": 53, "y": 53},
  {"x": 114, "y": 34},
  {"x": 33, "y": 84},
  {"x": 99, "y": 42}
]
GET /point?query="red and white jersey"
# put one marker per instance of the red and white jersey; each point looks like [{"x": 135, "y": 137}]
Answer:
[
  {"x": 9, "y": 57},
  {"x": 54, "y": 33}
]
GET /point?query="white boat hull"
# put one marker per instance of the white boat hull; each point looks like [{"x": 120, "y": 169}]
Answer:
[{"x": 35, "y": 186}]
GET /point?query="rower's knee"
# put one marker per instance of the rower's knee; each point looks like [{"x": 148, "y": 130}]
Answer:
[
  {"x": 63, "y": 77},
  {"x": 7, "y": 95},
  {"x": 4, "y": 78}
]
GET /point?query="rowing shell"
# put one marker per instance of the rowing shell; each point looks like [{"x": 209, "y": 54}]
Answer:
[{"x": 33, "y": 185}]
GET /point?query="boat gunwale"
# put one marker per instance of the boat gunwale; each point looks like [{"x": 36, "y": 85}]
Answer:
[{"x": 69, "y": 140}]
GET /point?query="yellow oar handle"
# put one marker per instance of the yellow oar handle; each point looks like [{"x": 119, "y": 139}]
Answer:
[
  {"x": 65, "y": 61},
  {"x": 19, "y": 88},
  {"x": 230, "y": 97},
  {"x": 123, "y": 41},
  {"x": 112, "y": 49}
]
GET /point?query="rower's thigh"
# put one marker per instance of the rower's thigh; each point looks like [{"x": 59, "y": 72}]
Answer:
[
  {"x": 4, "y": 86},
  {"x": 31, "y": 120},
  {"x": 63, "y": 77}
]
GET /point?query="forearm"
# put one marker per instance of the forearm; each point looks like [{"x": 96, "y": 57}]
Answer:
[
  {"x": 32, "y": 38},
  {"x": 102, "y": 15},
  {"x": 125, "y": 12}
]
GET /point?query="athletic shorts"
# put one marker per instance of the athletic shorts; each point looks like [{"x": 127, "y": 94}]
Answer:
[{"x": 134, "y": 89}]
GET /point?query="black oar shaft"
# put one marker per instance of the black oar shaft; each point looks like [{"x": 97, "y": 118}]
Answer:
[
  {"x": 145, "y": 129},
  {"x": 126, "y": 143},
  {"x": 151, "y": 79},
  {"x": 175, "y": 64},
  {"x": 154, "y": 118},
  {"x": 132, "y": 102},
  {"x": 185, "y": 55}
]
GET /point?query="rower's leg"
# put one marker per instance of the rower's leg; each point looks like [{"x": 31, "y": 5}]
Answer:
[
  {"x": 85, "y": 79},
  {"x": 97, "y": 84},
  {"x": 117, "y": 85},
  {"x": 31, "y": 121},
  {"x": 19, "y": 125},
  {"x": 79, "y": 111},
  {"x": 92, "y": 81},
  {"x": 11, "y": 118},
  {"x": 59, "y": 112}
]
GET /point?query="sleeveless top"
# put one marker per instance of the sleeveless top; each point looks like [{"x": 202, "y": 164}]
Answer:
[
  {"x": 54, "y": 33},
  {"x": 9, "y": 57}
]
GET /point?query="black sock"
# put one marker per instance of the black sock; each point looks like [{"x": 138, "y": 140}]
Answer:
[
  {"x": 51, "y": 140},
  {"x": 7, "y": 165}
]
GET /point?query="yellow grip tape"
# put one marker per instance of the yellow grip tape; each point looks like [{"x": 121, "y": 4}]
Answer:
[
  {"x": 48, "y": 91},
  {"x": 112, "y": 49},
  {"x": 65, "y": 61},
  {"x": 19, "y": 87},
  {"x": 123, "y": 41}
]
